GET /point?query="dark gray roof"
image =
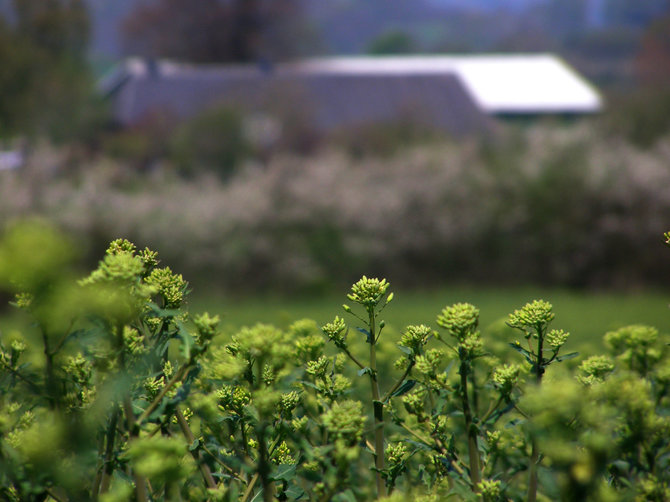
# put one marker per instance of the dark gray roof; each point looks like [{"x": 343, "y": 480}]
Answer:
[{"x": 330, "y": 100}]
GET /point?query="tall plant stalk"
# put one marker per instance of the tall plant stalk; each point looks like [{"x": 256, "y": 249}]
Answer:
[
  {"x": 377, "y": 406},
  {"x": 535, "y": 451},
  {"x": 473, "y": 449}
]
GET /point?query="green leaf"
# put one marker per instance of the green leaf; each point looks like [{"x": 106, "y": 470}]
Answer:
[
  {"x": 194, "y": 445},
  {"x": 404, "y": 388},
  {"x": 526, "y": 354},
  {"x": 419, "y": 446},
  {"x": 405, "y": 350},
  {"x": 187, "y": 341},
  {"x": 346, "y": 496},
  {"x": 284, "y": 472},
  {"x": 368, "y": 338},
  {"x": 164, "y": 313},
  {"x": 571, "y": 355},
  {"x": 365, "y": 370},
  {"x": 294, "y": 492}
]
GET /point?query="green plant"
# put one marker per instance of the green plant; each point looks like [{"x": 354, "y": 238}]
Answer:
[{"x": 116, "y": 392}]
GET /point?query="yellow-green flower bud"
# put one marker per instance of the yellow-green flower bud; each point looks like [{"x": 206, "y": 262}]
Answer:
[
  {"x": 153, "y": 386},
  {"x": 309, "y": 347},
  {"x": 282, "y": 454},
  {"x": 336, "y": 331},
  {"x": 460, "y": 319},
  {"x": 287, "y": 404},
  {"x": 319, "y": 367},
  {"x": 536, "y": 314},
  {"x": 489, "y": 490},
  {"x": 345, "y": 421},
  {"x": 133, "y": 341},
  {"x": 395, "y": 453},
  {"x": 120, "y": 246},
  {"x": 23, "y": 300},
  {"x": 472, "y": 345},
  {"x": 506, "y": 377},
  {"x": 340, "y": 359},
  {"x": 414, "y": 402},
  {"x": 150, "y": 259},
  {"x": 268, "y": 376},
  {"x": 170, "y": 286},
  {"x": 303, "y": 328},
  {"x": 415, "y": 337},
  {"x": 429, "y": 364},
  {"x": 340, "y": 384},
  {"x": 635, "y": 336},
  {"x": 368, "y": 292},
  {"x": 79, "y": 369},
  {"x": 299, "y": 424},
  {"x": 556, "y": 338},
  {"x": 206, "y": 326},
  {"x": 595, "y": 369}
]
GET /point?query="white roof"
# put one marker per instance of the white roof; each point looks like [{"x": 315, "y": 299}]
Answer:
[{"x": 498, "y": 83}]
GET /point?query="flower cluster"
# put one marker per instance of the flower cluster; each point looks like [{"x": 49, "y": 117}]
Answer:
[
  {"x": 345, "y": 421},
  {"x": 506, "y": 377},
  {"x": 460, "y": 320},
  {"x": 170, "y": 286},
  {"x": 415, "y": 337},
  {"x": 336, "y": 332},
  {"x": 535, "y": 315},
  {"x": 556, "y": 338},
  {"x": 206, "y": 326},
  {"x": 368, "y": 292},
  {"x": 595, "y": 369}
]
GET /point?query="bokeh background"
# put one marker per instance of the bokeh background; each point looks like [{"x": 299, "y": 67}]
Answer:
[{"x": 577, "y": 202}]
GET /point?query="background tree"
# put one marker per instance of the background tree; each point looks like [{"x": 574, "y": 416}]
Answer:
[
  {"x": 653, "y": 60},
  {"x": 216, "y": 30},
  {"x": 634, "y": 13},
  {"x": 644, "y": 114},
  {"x": 45, "y": 87},
  {"x": 392, "y": 42}
]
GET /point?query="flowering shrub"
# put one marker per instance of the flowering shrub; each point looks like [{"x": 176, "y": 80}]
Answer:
[
  {"x": 119, "y": 393},
  {"x": 555, "y": 205}
]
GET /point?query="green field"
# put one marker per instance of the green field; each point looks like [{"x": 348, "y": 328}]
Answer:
[{"x": 587, "y": 316}]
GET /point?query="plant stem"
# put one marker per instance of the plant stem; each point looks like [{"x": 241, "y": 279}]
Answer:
[
  {"x": 154, "y": 404},
  {"x": 49, "y": 376},
  {"x": 473, "y": 450},
  {"x": 378, "y": 408},
  {"x": 493, "y": 407},
  {"x": 264, "y": 467},
  {"x": 204, "y": 468},
  {"x": 250, "y": 488},
  {"x": 36, "y": 388},
  {"x": 535, "y": 452},
  {"x": 222, "y": 464},
  {"x": 475, "y": 394},
  {"x": 352, "y": 357},
  {"x": 107, "y": 467},
  {"x": 131, "y": 424},
  {"x": 400, "y": 381},
  {"x": 532, "y": 476}
]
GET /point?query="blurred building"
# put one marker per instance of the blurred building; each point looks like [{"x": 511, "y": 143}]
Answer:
[{"x": 457, "y": 94}]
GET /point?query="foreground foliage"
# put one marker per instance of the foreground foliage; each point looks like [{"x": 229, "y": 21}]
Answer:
[{"x": 119, "y": 393}]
